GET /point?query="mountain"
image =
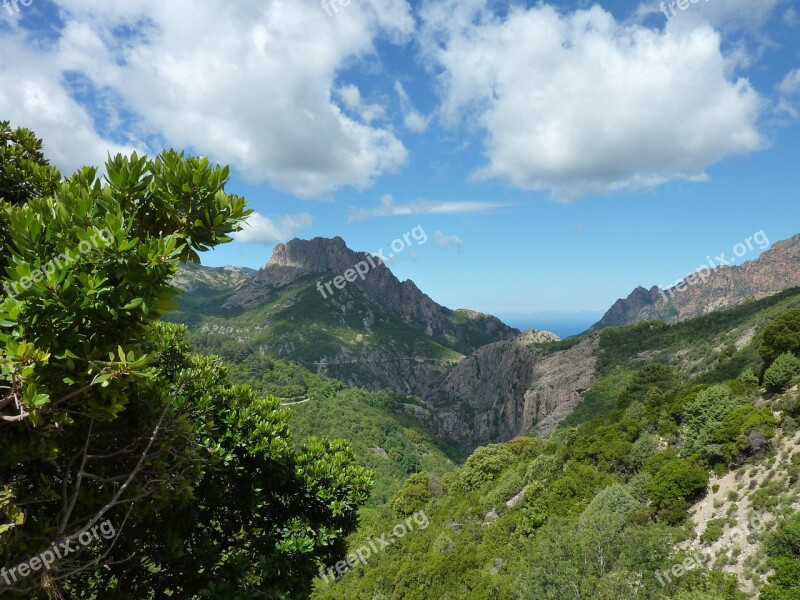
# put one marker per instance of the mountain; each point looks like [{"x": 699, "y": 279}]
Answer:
[
  {"x": 293, "y": 262},
  {"x": 376, "y": 332},
  {"x": 512, "y": 388},
  {"x": 676, "y": 478},
  {"x": 535, "y": 384},
  {"x": 775, "y": 270}
]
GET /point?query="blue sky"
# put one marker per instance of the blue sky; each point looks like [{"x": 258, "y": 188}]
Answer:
[{"x": 556, "y": 154}]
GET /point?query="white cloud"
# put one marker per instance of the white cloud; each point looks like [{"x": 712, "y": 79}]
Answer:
[
  {"x": 249, "y": 83},
  {"x": 32, "y": 96},
  {"x": 351, "y": 97},
  {"x": 413, "y": 119},
  {"x": 727, "y": 16},
  {"x": 580, "y": 104},
  {"x": 789, "y": 95},
  {"x": 446, "y": 241},
  {"x": 790, "y": 86},
  {"x": 259, "y": 229},
  {"x": 791, "y": 18},
  {"x": 388, "y": 208}
]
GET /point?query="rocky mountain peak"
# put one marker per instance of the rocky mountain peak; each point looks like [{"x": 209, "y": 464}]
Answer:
[
  {"x": 294, "y": 262},
  {"x": 777, "y": 269},
  {"x": 318, "y": 255}
]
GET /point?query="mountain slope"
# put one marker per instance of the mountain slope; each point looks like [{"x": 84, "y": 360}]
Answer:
[
  {"x": 377, "y": 333},
  {"x": 690, "y": 454},
  {"x": 532, "y": 384},
  {"x": 775, "y": 270}
]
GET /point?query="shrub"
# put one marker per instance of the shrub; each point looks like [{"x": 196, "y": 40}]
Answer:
[
  {"x": 713, "y": 531},
  {"x": 676, "y": 483},
  {"x": 781, "y": 335},
  {"x": 642, "y": 449},
  {"x": 749, "y": 376},
  {"x": 778, "y": 376},
  {"x": 613, "y": 499},
  {"x": 484, "y": 465},
  {"x": 415, "y": 493}
]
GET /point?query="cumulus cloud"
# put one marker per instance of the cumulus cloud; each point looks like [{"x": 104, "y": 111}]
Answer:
[
  {"x": 790, "y": 86},
  {"x": 412, "y": 118},
  {"x": 388, "y": 208},
  {"x": 351, "y": 97},
  {"x": 728, "y": 16},
  {"x": 447, "y": 241},
  {"x": 259, "y": 229},
  {"x": 579, "y": 104},
  {"x": 789, "y": 94},
  {"x": 250, "y": 83}
]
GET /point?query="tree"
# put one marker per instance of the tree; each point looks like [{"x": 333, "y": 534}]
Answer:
[
  {"x": 781, "y": 335},
  {"x": 484, "y": 465},
  {"x": 674, "y": 485},
  {"x": 780, "y": 374},
  {"x": 105, "y": 415}
]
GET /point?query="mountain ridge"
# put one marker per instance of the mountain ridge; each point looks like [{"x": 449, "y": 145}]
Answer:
[{"x": 775, "y": 270}]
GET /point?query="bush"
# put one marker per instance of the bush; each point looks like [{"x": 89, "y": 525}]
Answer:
[
  {"x": 613, "y": 499},
  {"x": 781, "y": 335},
  {"x": 676, "y": 483},
  {"x": 749, "y": 376},
  {"x": 713, "y": 531},
  {"x": 642, "y": 449},
  {"x": 781, "y": 372},
  {"x": 413, "y": 496},
  {"x": 484, "y": 465}
]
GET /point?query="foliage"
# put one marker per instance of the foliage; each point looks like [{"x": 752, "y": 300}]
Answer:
[
  {"x": 703, "y": 416},
  {"x": 782, "y": 335},
  {"x": 484, "y": 465},
  {"x": 412, "y": 497},
  {"x": 105, "y": 414},
  {"x": 781, "y": 372},
  {"x": 674, "y": 485},
  {"x": 783, "y": 548}
]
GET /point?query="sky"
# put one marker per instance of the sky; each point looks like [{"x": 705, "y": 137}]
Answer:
[{"x": 555, "y": 154}]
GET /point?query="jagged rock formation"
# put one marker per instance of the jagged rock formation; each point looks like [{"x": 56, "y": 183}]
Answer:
[
  {"x": 513, "y": 387},
  {"x": 294, "y": 261},
  {"x": 775, "y": 270}
]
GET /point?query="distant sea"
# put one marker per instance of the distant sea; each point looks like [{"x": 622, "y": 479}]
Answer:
[{"x": 564, "y": 324}]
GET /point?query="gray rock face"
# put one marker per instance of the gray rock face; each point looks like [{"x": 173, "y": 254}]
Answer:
[
  {"x": 775, "y": 270},
  {"x": 513, "y": 387},
  {"x": 191, "y": 277},
  {"x": 328, "y": 258}
]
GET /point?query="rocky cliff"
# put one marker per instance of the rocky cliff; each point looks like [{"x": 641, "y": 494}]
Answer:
[
  {"x": 511, "y": 388},
  {"x": 775, "y": 270},
  {"x": 294, "y": 261}
]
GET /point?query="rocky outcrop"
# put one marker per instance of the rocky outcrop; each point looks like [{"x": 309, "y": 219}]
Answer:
[
  {"x": 513, "y": 387},
  {"x": 775, "y": 270},
  {"x": 191, "y": 277},
  {"x": 296, "y": 260}
]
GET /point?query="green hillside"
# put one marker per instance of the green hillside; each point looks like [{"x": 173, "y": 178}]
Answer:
[
  {"x": 385, "y": 439},
  {"x": 355, "y": 340},
  {"x": 603, "y": 507}
]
